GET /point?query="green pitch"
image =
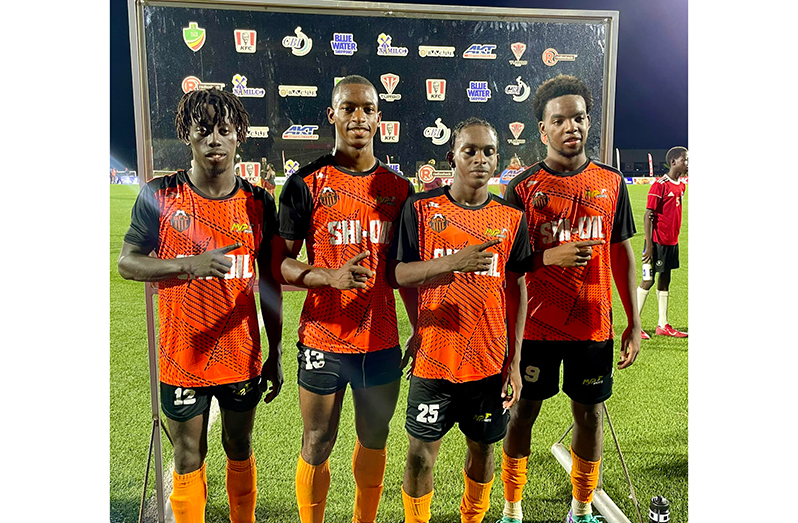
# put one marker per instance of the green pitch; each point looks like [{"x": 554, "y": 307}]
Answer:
[{"x": 648, "y": 409}]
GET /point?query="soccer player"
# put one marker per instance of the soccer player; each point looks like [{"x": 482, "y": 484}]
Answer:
[
  {"x": 515, "y": 168},
  {"x": 580, "y": 223},
  {"x": 345, "y": 206},
  {"x": 210, "y": 229},
  {"x": 662, "y": 223},
  {"x": 465, "y": 249}
]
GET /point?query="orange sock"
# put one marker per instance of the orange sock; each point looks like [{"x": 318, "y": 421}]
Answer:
[
  {"x": 417, "y": 509},
  {"x": 242, "y": 489},
  {"x": 584, "y": 478},
  {"x": 189, "y": 493},
  {"x": 368, "y": 466},
  {"x": 513, "y": 477},
  {"x": 476, "y": 500},
  {"x": 312, "y": 484}
]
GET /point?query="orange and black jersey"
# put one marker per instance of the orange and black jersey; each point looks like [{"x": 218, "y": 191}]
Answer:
[
  {"x": 209, "y": 333},
  {"x": 590, "y": 203},
  {"x": 462, "y": 331},
  {"x": 341, "y": 213}
]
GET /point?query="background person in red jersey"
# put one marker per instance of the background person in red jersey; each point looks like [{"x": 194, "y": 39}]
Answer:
[
  {"x": 662, "y": 223},
  {"x": 465, "y": 249},
  {"x": 209, "y": 229},
  {"x": 580, "y": 223},
  {"x": 345, "y": 206}
]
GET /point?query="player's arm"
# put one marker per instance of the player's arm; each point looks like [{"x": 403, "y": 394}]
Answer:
[
  {"x": 270, "y": 293},
  {"x": 516, "y": 317},
  {"x": 351, "y": 275},
  {"x": 648, "y": 230},
  {"x": 622, "y": 263},
  {"x": 135, "y": 263},
  {"x": 473, "y": 258}
]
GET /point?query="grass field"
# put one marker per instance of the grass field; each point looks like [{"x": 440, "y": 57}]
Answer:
[{"x": 649, "y": 412}]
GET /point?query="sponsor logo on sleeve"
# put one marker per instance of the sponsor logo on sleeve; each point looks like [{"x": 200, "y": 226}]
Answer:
[
  {"x": 520, "y": 90},
  {"x": 551, "y": 57},
  {"x": 301, "y": 132},
  {"x": 343, "y": 44},
  {"x": 241, "y": 90},
  {"x": 390, "y": 81},
  {"x": 300, "y": 44},
  {"x": 384, "y": 47},
  {"x": 431, "y": 51},
  {"x": 305, "y": 91},
  {"x": 518, "y": 49},
  {"x": 439, "y": 134},
  {"x": 516, "y": 128},
  {"x": 246, "y": 40},
  {"x": 389, "y": 131},
  {"x": 436, "y": 89},
  {"x": 478, "y": 91},
  {"x": 194, "y": 36},
  {"x": 480, "y": 51}
]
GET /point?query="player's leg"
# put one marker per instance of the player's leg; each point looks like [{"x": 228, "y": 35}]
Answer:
[
  {"x": 669, "y": 258},
  {"x": 644, "y": 289},
  {"x": 375, "y": 380},
  {"x": 238, "y": 403},
  {"x": 186, "y": 411},
  {"x": 478, "y": 477},
  {"x": 417, "y": 484}
]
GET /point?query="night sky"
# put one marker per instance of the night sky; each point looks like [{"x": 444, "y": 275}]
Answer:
[{"x": 651, "y": 83}]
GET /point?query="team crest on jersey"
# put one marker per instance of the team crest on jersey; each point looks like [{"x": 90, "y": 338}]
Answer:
[
  {"x": 436, "y": 89},
  {"x": 540, "y": 200},
  {"x": 438, "y": 222},
  {"x": 480, "y": 51},
  {"x": 241, "y": 90},
  {"x": 343, "y": 44},
  {"x": 478, "y": 91},
  {"x": 384, "y": 47},
  {"x": 194, "y": 36},
  {"x": 389, "y": 131},
  {"x": 300, "y": 44},
  {"x": 516, "y": 128},
  {"x": 518, "y": 49},
  {"x": 520, "y": 90},
  {"x": 425, "y": 51},
  {"x": 328, "y": 197},
  {"x": 180, "y": 221},
  {"x": 551, "y": 57},
  {"x": 246, "y": 40},
  {"x": 390, "y": 81},
  {"x": 192, "y": 83},
  {"x": 439, "y": 134}
]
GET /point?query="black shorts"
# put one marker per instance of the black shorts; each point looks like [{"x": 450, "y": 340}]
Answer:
[
  {"x": 182, "y": 403},
  {"x": 587, "y": 370},
  {"x": 665, "y": 257},
  {"x": 323, "y": 372},
  {"x": 434, "y": 406}
]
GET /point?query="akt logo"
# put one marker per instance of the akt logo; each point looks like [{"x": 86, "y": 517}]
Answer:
[
  {"x": 436, "y": 89},
  {"x": 300, "y": 44},
  {"x": 328, "y": 197},
  {"x": 343, "y": 44},
  {"x": 246, "y": 39},
  {"x": 518, "y": 49},
  {"x": 438, "y": 222},
  {"x": 390, "y": 81},
  {"x": 180, "y": 221},
  {"x": 478, "y": 92},
  {"x": 520, "y": 90},
  {"x": 384, "y": 47},
  {"x": 194, "y": 36},
  {"x": 516, "y": 128},
  {"x": 301, "y": 132},
  {"x": 389, "y": 131},
  {"x": 481, "y": 51}
]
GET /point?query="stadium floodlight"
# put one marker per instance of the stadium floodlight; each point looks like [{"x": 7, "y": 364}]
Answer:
[{"x": 604, "y": 504}]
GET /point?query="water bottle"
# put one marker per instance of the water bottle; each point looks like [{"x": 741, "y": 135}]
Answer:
[
  {"x": 659, "y": 511},
  {"x": 648, "y": 273}
]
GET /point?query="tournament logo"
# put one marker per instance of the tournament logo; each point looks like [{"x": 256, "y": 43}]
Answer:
[
  {"x": 390, "y": 81},
  {"x": 516, "y": 128},
  {"x": 389, "y": 131},
  {"x": 300, "y": 45},
  {"x": 436, "y": 89},
  {"x": 520, "y": 90},
  {"x": 290, "y": 167},
  {"x": 192, "y": 83},
  {"x": 540, "y": 200},
  {"x": 241, "y": 90},
  {"x": 518, "y": 49},
  {"x": 438, "y": 222},
  {"x": 301, "y": 132},
  {"x": 328, "y": 197},
  {"x": 180, "y": 221},
  {"x": 439, "y": 134},
  {"x": 384, "y": 47},
  {"x": 478, "y": 91},
  {"x": 246, "y": 40},
  {"x": 551, "y": 57},
  {"x": 480, "y": 51},
  {"x": 431, "y": 51},
  {"x": 194, "y": 36},
  {"x": 343, "y": 44},
  {"x": 258, "y": 132},
  {"x": 305, "y": 91}
]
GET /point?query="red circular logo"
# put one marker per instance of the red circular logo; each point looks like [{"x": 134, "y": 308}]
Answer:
[
  {"x": 426, "y": 173},
  {"x": 190, "y": 83},
  {"x": 550, "y": 56}
]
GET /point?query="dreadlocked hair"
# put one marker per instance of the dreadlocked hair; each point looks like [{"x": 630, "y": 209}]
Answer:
[
  {"x": 191, "y": 109},
  {"x": 560, "y": 85},
  {"x": 468, "y": 123}
]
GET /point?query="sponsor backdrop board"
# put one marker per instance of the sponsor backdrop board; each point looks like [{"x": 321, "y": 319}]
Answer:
[{"x": 433, "y": 66}]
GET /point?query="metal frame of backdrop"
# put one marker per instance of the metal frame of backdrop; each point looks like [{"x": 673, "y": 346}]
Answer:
[{"x": 490, "y": 20}]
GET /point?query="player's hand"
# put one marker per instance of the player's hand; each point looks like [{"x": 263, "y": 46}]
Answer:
[
  {"x": 511, "y": 389},
  {"x": 630, "y": 346},
  {"x": 647, "y": 250},
  {"x": 474, "y": 258},
  {"x": 410, "y": 354},
  {"x": 351, "y": 275},
  {"x": 271, "y": 373},
  {"x": 572, "y": 254},
  {"x": 211, "y": 263}
]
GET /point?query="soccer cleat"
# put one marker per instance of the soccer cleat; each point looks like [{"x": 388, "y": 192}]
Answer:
[
  {"x": 590, "y": 518},
  {"x": 667, "y": 330},
  {"x": 505, "y": 519},
  {"x": 643, "y": 335}
]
